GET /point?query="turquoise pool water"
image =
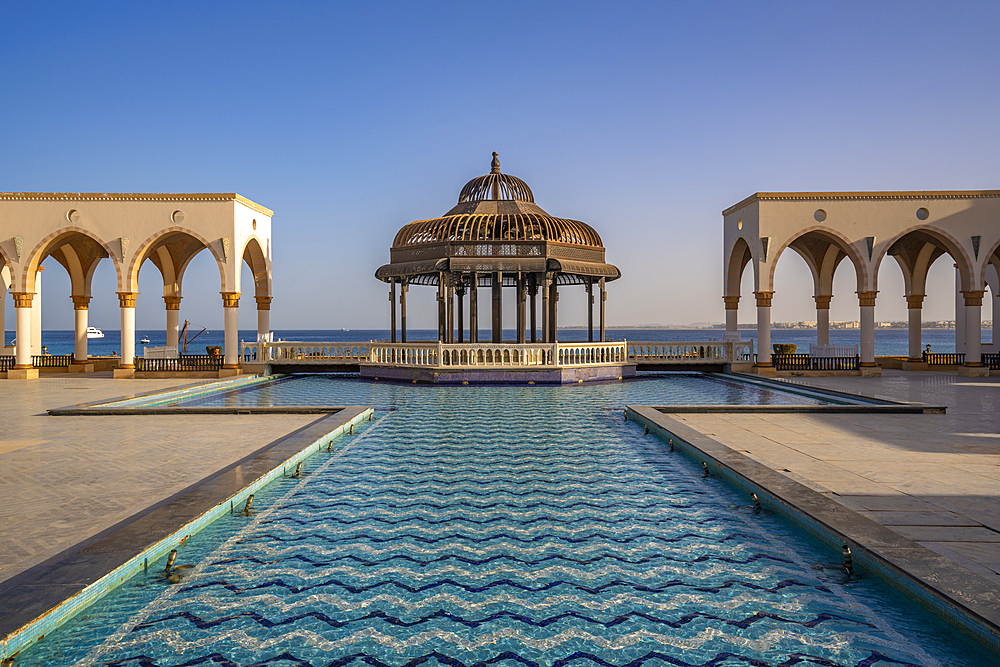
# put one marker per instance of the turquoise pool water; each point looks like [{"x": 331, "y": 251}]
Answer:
[{"x": 503, "y": 526}]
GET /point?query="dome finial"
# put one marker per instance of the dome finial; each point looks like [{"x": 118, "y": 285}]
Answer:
[{"x": 495, "y": 165}]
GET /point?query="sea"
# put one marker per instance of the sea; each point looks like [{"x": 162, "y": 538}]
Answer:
[{"x": 888, "y": 342}]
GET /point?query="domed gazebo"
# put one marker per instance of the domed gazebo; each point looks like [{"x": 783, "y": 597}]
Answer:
[{"x": 496, "y": 236}]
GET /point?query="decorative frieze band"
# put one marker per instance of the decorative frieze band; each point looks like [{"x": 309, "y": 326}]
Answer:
[
  {"x": 126, "y": 299},
  {"x": 914, "y": 301},
  {"x": 230, "y": 299},
  {"x": 823, "y": 301},
  {"x": 81, "y": 302},
  {"x": 974, "y": 297},
  {"x": 172, "y": 302},
  {"x": 22, "y": 299},
  {"x": 866, "y": 298},
  {"x": 263, "y": 302},
  {"x": 764, "y": 298},
  {"x": 732, "y": 302}
]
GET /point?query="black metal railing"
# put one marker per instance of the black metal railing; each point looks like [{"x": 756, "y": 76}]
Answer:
[
  {"x": 992, "y": 359},
  {"x": 804, "y": 362},
  {"x": 6, "y": 363},
  {"x": 187, "y": 362},
  {"x": 51, "y": 360},
  {"x": 944, "y": 358}
]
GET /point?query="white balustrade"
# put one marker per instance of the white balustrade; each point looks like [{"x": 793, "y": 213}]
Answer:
[
  {"x": 302, "y": 352},
  {"x": 832, "y": 350},
  {"x": 691, "y": 352}
]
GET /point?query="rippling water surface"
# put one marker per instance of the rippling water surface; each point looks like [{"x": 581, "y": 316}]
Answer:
[{"x": 502, "y": 526}]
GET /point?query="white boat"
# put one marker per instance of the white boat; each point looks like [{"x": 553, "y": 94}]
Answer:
[
  {"x": 144, "y": 340},
  {"x": 94, "y": 332}
]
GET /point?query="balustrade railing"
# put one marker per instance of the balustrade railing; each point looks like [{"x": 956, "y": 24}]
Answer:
[
  {"x": 992, "y": 359},
  {"x": 691, "y": 352},
  {"x": 301, "y": 352},
  {"x": 187, "y": 362},
  {"x": 6, "y": 363},
  {"x": 807, "y": 362},
  {"x": 51, "y": 360},
  {"x": 944, "y": 358}
]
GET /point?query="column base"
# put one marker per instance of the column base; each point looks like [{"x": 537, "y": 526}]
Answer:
[
  {"x": 766, "y": 370},
  {"x": 229, "y": 372},
  {"x": 870, "y": 369},
  {"x": 977, "y": 371},
  {"x": 917, "y": 365},
  {"x": 121, "y": 373},
  {"x": 81, "y": 367},
  {"x": 22, "y": 374}
]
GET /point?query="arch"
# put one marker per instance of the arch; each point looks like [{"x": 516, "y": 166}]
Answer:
[
  {"x": 988, "y": 259},
  {"x": 44, "y": 248},
  {"x": 835, "y": 238},
  {"x": 255, "y": 257},
  {"x": 144, "y": 253},
  {"x": 952, "y": 246},
  {"x": 739, "y": 257}
]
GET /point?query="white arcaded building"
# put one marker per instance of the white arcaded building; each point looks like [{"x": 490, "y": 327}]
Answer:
[
  {"x": 824, "y": 228},
  {"x": 79, "y": 230}
]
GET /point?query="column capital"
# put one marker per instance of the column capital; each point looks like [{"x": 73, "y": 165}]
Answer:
[
  {"x": 80, "y": 302},
  {"x": 126, "y": 299},
  {"x": 915, "y": 301},
  {"x": 22, "y": 299},
  {"x": 822, "y": 301},
  {"x": 866, "y": 298},
  {"x": 230, "y": 299},
  {"x": 732, "y": 302},
  {"x": 764, "y": 298},
  {"x": 263, "y": 302},
  {"x": 172, "y": 302},
  {"x": 974, "y": 297}
]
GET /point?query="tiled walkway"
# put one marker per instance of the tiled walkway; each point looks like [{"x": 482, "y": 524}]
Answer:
[
  {"x": 932, "y": 478},
  {"x": 64, "y": 479}
]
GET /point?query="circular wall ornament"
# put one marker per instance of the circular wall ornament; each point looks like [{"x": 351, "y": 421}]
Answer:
[
  {"x": 922, "y": 213},
  {"x": 177, "y": 216},
  {"x": 739, "y": 224},
  {"x": 73, "y": 215},
  {"x": 820, "y": 215}
]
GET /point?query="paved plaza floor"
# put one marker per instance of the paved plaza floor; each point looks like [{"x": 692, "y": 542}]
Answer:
[
  {"x": 65, "y": 479},
  {"x": 934, "y": 479}
]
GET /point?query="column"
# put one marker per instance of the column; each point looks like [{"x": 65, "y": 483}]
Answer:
[
  {"x": 392, "y": 310},
  {"x": 590, "y": 310},
  {"x": 604, "y": 299},
  {"x": 450, "y": 310},
  {"x": 553, "y": 311},
  {"x": 914, "y": 304},
  {"x": 440, "y": 302},
  {"x": 126, "y": 303},
  {"x": 866, "y": 299},
  {"x": 521, "y": 314},
  {"x": 823, "y": 318},
  {"x": 959, "y": 313},
  {"x": 732, "y": 317},
  {"x": 263, "y": 313},
  {"x": 36, "y": 314},
  {"x": 173, "y": 306},
  {"x": 81, "y": 304},
  {"x": 532, "y": 291},
  {"x": 497, "y": 283},
  {"x": 404, "y": 288},
  {"x": 474, "y": 308},
  {"x": 764, "y": 327},
  {"x": 546, "y": 280},
  {"x": 973, "y": 327},
  {"x": 460, "y": 291},
  {"x": 22, "y": 329},
  {"x": 231, "y": 310}
]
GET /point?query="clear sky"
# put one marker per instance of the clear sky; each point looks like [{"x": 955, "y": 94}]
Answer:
[{"x": 349, "y": 120}]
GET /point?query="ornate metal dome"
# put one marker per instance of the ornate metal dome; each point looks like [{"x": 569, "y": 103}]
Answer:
[{"x": 496, "y": 186}]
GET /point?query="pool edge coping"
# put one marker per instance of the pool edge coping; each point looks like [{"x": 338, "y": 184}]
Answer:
[
  {"x": 892, "y": 557},
  {"x": 53, "y": 618}
]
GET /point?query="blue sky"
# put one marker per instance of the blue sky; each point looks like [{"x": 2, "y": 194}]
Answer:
[{"x": 349, "y": 120}]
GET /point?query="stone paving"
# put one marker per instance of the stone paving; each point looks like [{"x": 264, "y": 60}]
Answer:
[
  {"x": 65, "y": 479},
  {"x": 934, "y": 479}
]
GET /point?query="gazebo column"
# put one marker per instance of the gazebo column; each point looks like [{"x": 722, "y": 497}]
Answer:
[
  {"x": 81, "y": 306},
  {"x": 590, "y": 310},
  {"x": 823, "y": 318},
  {"x": 973, "y": 328},
  {"x": 732, "y": 316},
  {"x": 441, "y": 304},
  {"x": 866, "y": 299},
  {"x": 22, "y": 343},
  {"x": 231, "y": 312},
  {"x": 521, "y": 287},
  {"x": 764, "y": 328},
  {"x": 914, "y": 316},
  {"x": 497, "y": 286},
  {"x": 126, "y": 304},
  {"x": 392, "y": 310},
  {"x": 604, "y": 299},
  {"x": 263, "y": 314},
  {"x": 460, "y": 291},
  {"x": 449, "y": 291},
  {"x": 532, "y": 291},
  {"x": 474, "y": 308},
  {"x": 173, "y": 309},
  {"x": 553, "y": 311},
  {"x": 546, "y": 313},
  {"x": 403, "y": 289}
]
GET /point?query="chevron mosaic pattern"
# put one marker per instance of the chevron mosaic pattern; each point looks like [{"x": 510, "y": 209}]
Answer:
[{"x": 479, "y": 526}]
